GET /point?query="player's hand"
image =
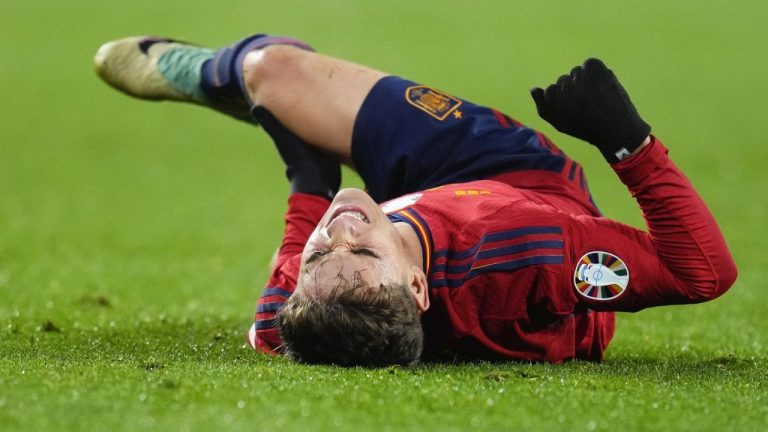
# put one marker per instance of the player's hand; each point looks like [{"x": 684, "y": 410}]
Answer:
[
  {"x": 590, "y": 104},
  {"x": 308, "y": 170}
]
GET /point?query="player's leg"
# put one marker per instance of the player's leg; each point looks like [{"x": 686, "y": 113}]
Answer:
[
  {"x": 401, "y": 136},
  {"x": 316, "y": 96}
]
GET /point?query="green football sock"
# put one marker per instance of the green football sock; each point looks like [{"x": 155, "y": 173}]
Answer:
[{"x": 181, "y": 67}]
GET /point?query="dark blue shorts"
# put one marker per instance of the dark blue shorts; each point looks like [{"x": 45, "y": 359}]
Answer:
[{"x": 409, "y": 137}]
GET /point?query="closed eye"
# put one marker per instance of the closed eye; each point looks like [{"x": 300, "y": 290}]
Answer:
[
  {"x": 316, "y": 255},
  {"x": 366, "y": 252}
]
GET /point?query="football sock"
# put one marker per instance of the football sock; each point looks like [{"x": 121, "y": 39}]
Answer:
[
  {"x": 181, "y": 66},
  {"x": 222, "y": 76},
  {"x": 215, "y": 78}
]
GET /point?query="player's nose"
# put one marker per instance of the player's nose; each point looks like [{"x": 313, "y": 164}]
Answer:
[{"x": 342, "y": 229}]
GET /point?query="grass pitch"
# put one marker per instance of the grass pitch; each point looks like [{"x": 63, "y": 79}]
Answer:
[{"x": 134, "y": 237}]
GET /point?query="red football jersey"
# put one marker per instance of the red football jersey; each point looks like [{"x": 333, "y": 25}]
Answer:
[{"x": 525, "y": 274}]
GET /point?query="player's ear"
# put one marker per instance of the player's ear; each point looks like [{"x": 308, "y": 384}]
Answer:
[{"x": 419, "y": 288}]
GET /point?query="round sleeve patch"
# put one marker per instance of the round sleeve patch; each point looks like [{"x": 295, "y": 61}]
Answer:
[{"x": 600, "y": 276}]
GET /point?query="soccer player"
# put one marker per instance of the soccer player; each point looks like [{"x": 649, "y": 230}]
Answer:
[{"x": 477, "y": 236}]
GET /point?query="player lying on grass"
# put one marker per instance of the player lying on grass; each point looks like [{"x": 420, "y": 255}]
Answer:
[{"x": 487, "y": 243}]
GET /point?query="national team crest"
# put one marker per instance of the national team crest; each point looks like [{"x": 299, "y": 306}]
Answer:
[
  {"x": 601, "y": 276},
  {"x": 435, "y": 103}
]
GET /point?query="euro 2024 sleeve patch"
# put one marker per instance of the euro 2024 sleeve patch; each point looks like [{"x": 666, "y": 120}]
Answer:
[{"x": 600, "y": 276}]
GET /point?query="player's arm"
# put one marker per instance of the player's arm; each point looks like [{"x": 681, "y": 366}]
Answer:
[
  {"x": 683, "y": 258},
  {"x": 314, "y": 179}
]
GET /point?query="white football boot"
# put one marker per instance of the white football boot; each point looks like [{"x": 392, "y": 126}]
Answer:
[
  {"x": 155, "y": 68},
  {"x": 132, "y": 65}
]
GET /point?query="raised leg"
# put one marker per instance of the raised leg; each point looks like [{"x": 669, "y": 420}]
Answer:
[{"x": 315, "y": 96}]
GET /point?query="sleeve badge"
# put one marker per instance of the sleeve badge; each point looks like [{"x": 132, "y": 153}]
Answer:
[{"x": 600, "y": 276}]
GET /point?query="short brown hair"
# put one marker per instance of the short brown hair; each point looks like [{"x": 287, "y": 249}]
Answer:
[{"x": 361, "y": 326}]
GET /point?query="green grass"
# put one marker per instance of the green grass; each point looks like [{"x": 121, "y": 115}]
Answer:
[{"x": 134, "y": 237}]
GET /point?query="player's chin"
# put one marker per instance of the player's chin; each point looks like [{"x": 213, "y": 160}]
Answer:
[
  {"x": 359, "y": 200},
  {"x": 352, "y": 194},
  {"x": 356, "y": 197}
]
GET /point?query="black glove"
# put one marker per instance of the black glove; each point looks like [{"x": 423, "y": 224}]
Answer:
[
  {"x": 308, "y": 170},
  {"x": 590, "y": 104}
]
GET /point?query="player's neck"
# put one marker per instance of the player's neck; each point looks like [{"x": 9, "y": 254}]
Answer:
[{"x": 411, "y": 242}]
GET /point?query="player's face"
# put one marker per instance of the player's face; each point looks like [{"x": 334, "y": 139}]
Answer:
[{"x": 354, "y": 244}]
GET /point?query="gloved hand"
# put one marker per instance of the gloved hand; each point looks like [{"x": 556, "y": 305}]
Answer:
[
  {"x": 590, "y": 104},
  {"x": 308, "y": 170}
]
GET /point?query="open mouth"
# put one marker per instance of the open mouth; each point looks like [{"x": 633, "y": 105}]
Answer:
[{"x": 350, "y": 211}]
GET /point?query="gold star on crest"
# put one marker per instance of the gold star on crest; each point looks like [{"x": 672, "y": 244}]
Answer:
[{"x": 457, "y": 115}]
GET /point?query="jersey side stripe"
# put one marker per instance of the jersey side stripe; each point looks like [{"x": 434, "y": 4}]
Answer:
[
  {"x": 269, "y": 307},
  {"x": 572, "y": 171},
  {"x": 497, "y": 236},
  {"x": 447, "y": 267},
  {"x": 538, "y": 245},
  {"x": 502, "y": 266},
  {"x": 275, "y": 292},
  {"x": 265, "y": 324}
]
